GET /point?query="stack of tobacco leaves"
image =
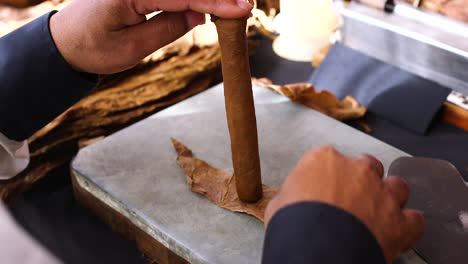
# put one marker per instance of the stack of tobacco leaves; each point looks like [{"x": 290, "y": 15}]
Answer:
[
  {"x": 119, "y": 101},
  {"x": 267, "y": 5},
  {"x": 456, "y": 9}
]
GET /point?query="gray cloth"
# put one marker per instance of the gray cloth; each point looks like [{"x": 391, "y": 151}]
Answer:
[{"x": 403, "y": 98}]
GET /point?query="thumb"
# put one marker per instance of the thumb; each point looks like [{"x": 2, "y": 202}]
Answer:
[{"x": 161, "y": 30}]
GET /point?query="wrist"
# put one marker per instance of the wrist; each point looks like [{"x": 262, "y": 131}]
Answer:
[
  {"x": 66, "y": 51},
  {"x": 59, "y": 33}
]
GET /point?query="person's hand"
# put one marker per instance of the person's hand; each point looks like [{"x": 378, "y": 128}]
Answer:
[
  {"x": 355, "y": 185},
  {"x": 113, "y": 35}
]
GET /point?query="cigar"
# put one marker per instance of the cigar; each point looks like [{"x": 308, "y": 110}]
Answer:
[{"x": 240, "y": 110}]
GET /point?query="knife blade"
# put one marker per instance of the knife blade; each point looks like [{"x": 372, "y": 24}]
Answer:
[{"x": 439, "y": 191}]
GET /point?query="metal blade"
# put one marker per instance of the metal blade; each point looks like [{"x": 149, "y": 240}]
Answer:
[{"x": 438, "y": 190}]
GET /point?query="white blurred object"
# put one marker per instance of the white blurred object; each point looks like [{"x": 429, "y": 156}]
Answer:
[
  {"x": 17, "y": 246},
  {"x": 458, "y": 99},
  {"x": 14, "y": 157},
  {"x": 304, "y": 27}
]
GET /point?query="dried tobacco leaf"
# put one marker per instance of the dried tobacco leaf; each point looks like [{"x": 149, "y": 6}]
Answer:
[
  {"x": 20, "y": 3},
  {"x": 218, "y": 185},
  {"x": 322, "y": 101},
  {"x": 320, "y": 55},
  {"x": 267, "y": 5},
  {"x": 456, "y": 9},
  {"x": 12, "y": 18}
]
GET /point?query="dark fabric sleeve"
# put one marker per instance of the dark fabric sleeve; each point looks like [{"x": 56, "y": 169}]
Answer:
[
  {"x": 312, "y": 232},
  {"x": 36, "y": 84}
]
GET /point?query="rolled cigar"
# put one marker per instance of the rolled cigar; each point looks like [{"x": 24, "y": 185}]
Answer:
[{"x": 240, "y": 110}]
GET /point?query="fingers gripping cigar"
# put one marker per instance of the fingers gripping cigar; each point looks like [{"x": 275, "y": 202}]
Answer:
[{"x": 240, "y": 109}]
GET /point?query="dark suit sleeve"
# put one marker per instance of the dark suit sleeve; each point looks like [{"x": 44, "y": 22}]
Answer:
[
  {"x": 312, "y": 232},
  {"x": 36, "y": 84}
]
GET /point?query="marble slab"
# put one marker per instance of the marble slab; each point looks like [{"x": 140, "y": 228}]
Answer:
[{"x": 134, "y": 171}]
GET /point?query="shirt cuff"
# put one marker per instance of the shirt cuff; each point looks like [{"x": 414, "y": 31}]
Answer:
[
  {"x": 314, "y": 232},
  {"x": 14, "y": 157},
  {"x": 36, "y": 83}
]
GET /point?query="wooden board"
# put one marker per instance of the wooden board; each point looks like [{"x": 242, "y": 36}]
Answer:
[
  {"x": 155, "y": 251},
  {"x": 455, "y": 115}
]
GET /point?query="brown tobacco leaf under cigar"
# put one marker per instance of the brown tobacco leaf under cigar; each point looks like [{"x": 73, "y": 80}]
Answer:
[
  {"x": 322, "y": 101},
  {"x": 218, "y": 185}
]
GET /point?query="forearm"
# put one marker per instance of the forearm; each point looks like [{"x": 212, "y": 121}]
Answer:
[
  {"x": 313, "y": 232},
  {"x": 36, "y": 83}
]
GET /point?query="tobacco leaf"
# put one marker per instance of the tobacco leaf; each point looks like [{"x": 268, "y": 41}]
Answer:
[
  {"x": 320, "y": 56},
  {"x": 12, "y": 18},
  {"x": 218, "y": 185},
  {"x": 21, "y": 3},
  {"x": 57, "y": 150},
  {"x": 322, "y": 101},
  {"x": 267, "y": 5},
  {"x": 456, "y": 9},
  {"x": 9, "y": 189}
]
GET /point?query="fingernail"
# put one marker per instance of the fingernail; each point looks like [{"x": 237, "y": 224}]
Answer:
[
  {"x": 244, "y": 4},
  {"x": 194, "y": 19}
]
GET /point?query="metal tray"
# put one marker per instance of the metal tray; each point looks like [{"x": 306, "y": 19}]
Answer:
[{"x": 426, "y": 44}]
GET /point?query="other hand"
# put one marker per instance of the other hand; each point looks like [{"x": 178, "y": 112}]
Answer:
[
  {"x": 109, "y": 36},
  {"x": 355, "y": 185}
]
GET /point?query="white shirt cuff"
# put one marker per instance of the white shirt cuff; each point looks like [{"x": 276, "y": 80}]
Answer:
[{"x": 14, "y": 157}]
